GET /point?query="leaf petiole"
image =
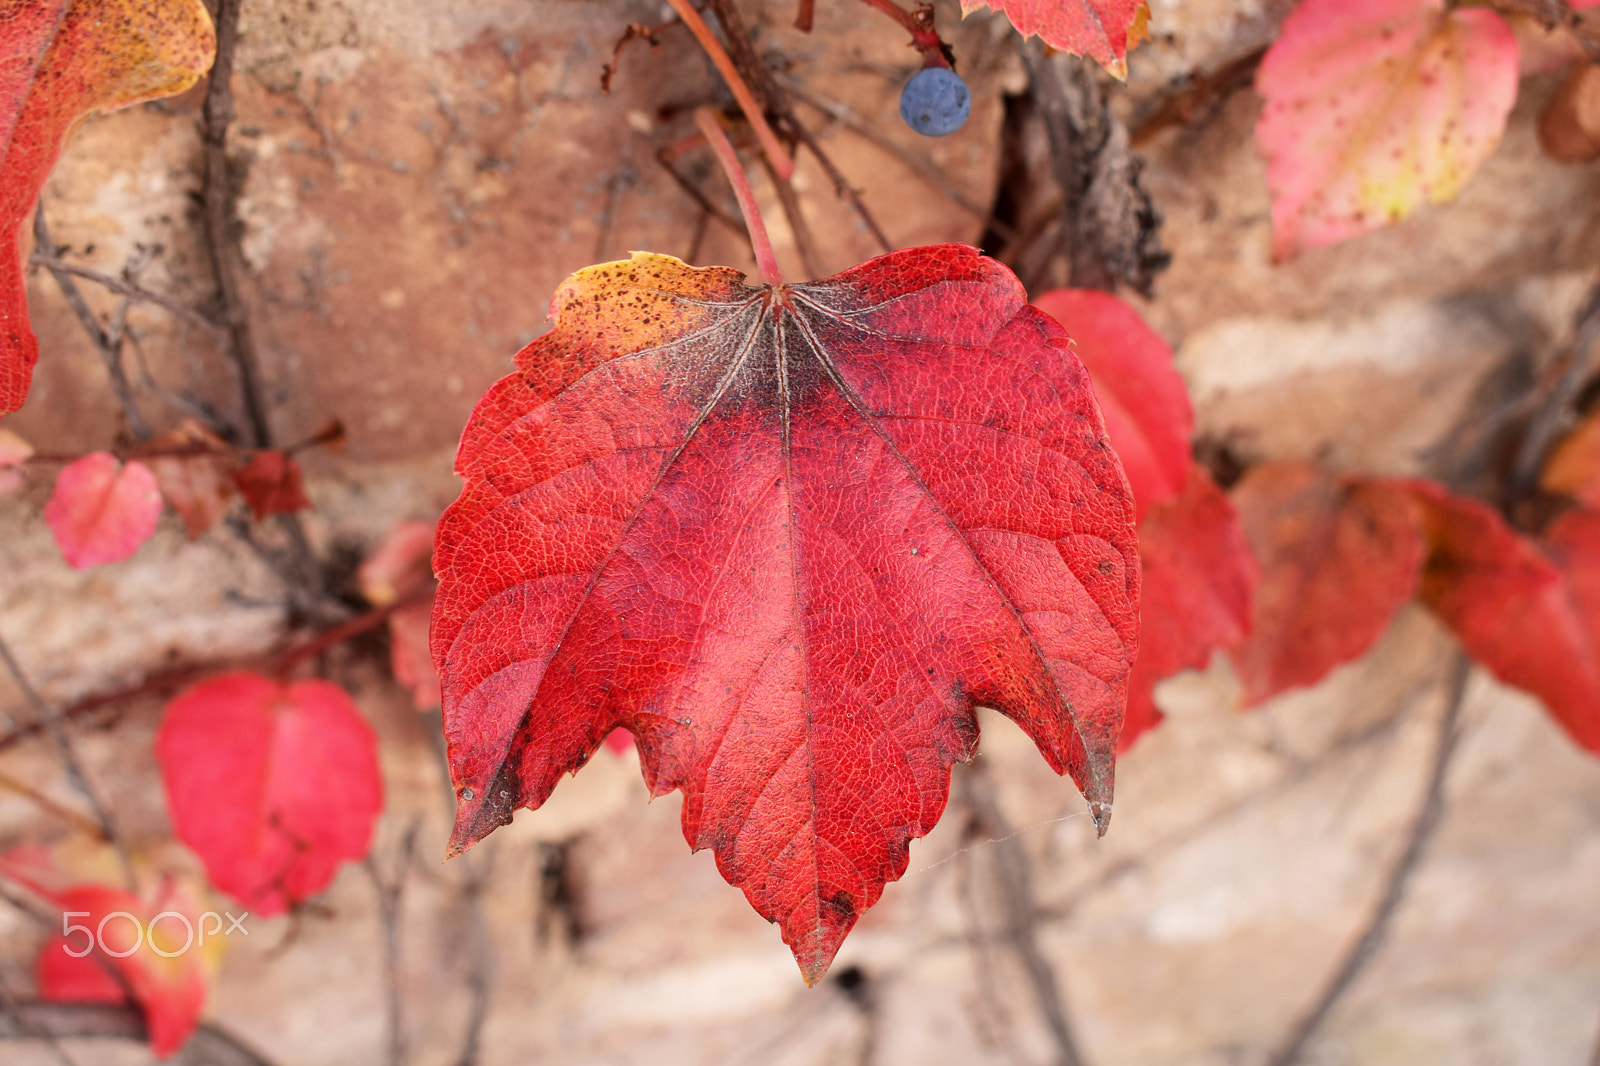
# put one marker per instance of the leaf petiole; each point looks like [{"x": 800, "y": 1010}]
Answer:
[
  {"x": 781, "y": 159},
  {"x": 760, "y": 243}
]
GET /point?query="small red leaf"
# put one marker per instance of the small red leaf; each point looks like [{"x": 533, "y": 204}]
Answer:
[
  {"x": 1103, "y": 30},
  {"x": 788, "y": 537},
  {"x": 1374, "y": 106},
  {"x": 271, "y": 483},
  {"x": 1514, "y": 609},
  {"x": 59, "y": 60},
  {"x": 1198, "y": 583},
  {"x": 273, "y": 785},
  {"x": 102, "y": 510},
  {"x": 200, "y": 486},
  {"x": 1337, "y": 558},
  {"x": 1142, "y": 396},
  {"x": 402, "y": 567},
  {"x": 152, "y": 948}
]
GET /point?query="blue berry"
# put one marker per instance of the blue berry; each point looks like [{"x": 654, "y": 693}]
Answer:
[{"x": 935, "y": 102}]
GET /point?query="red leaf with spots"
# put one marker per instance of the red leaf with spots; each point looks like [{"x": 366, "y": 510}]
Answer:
[
  {"x": 274, "y": 785},
  {"x": 1145, "y": 402},
  {"x": 788, "y": 538},
  {"x": 1198, "y": 585},
  {"x": 1531, "y": 617},
  {"x": 102, "y": 510},
  {"x": 1103, "y": 30},
  {"x": 1375, "y": 106},
  {"x": 1338, "y": 558},
  {"x": 60, "y": 60},
  {"x": 271, "y": 483}
]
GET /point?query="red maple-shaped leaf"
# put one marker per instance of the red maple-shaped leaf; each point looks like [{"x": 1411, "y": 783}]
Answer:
[
  {"x": 1103, "y": 30},
  {"x": 1338, "y": 558},
  {"x": 1198, "y": 585},
  {"x": 274, "y": 785},
  {"x": 59, "y": 60},
  {"x": 1532, "y": 619},
  {"x": 199, "y": 486},
  {"x": 1373, "y": 107},
  {"x": 102, "y": 510},
  {"x": 788, "y": 538},
  {"x": 1145, "y": 402},
  {"x": 271, "y": 483}
]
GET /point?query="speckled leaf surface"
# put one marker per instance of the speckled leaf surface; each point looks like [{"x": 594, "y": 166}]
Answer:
[{"x": 1375, "y": 107}]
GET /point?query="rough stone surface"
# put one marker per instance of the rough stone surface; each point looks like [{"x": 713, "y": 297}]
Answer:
[{"x": 418, "y": 177}]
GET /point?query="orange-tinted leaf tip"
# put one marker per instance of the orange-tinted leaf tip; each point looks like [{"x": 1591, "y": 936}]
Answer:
[
  {"x": 740, "y": 522},
  {"x": 1103, "y": 30},
  {"x": 1374, "y": 107},
  {"x": 60, "y": 60}
]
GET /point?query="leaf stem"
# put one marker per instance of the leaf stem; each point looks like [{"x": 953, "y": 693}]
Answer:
[
  {"x": 919, "y": 24},
  {"x": 781, "y": 160},
  {"x": 760, "y": 243}
]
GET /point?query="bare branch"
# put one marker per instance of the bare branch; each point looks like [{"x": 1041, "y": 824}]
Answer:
[{"x": 1376, "y": 927}]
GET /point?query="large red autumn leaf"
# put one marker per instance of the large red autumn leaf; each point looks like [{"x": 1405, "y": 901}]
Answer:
[
  {"x": 150, "y": 947},
  {"x": 1198, "y": 583},
  {"x": 1198, "y": 575},
  {"x": 102, "y": 510},
  {"x": 1143, "y": 398},
  {"x": 59, "y": 60},
  {"x": 1533, "y": 623},
  {"x": 1374, "y": 106},
  {"x": 274, "y": 785},
  {"x": 788, "y": 538},
  {"x": 1103, "y": 30},
  {"x": 1338, "y": 558}
]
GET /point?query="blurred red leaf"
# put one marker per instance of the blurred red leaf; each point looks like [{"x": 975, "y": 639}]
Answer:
[
  {"x": 402, "y": 568},
  {"x": 274, "y": 785},
  {"x": 13, "y": 452},
  {"x": 271, "y": 483},
  {"x": 102, "y": 510},
  {"x": 199, "y": 487},
  {"x": 1142, "y": 396},
  {"x": 787, "y": 538},
  {"x": 1198, "y": 584},
  {"x": 59, "y": 60},
  {"x": 1374, "y": 106},
  {"x": 146, "y": 945},
  {"x": 1103, "y": 30},
  {"x": 1532, "y": 620},
  {"x": 1338, "y": 558}
]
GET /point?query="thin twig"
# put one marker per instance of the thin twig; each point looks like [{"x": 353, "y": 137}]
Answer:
[
  {"x": 390, "y": 893},
  {"x": 51, "y": 723},
  {"x": 926, "y": 168},
  {"x": 50, "y": 806},
  {"x": 805, "y": 244},
  {"x": 138, "y": 293},
  {"x": 27, "y": 1027},
  {"x": 1014, "y": 872},
  {"x": 753, "y": 110},
  {"x": 707, "y": 208},
  {"x": 217, "y": 199},
  {"x": 108, "y": 344},
  {"x": 1376, "y": 927},
  {"x": 1552, "y": 415},
  {"x": 842, "y": 186},
  {"x": 480, "y": 955},
  {"x": 210, "y": 1045},
  {"x": 760, "y": 243}
]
